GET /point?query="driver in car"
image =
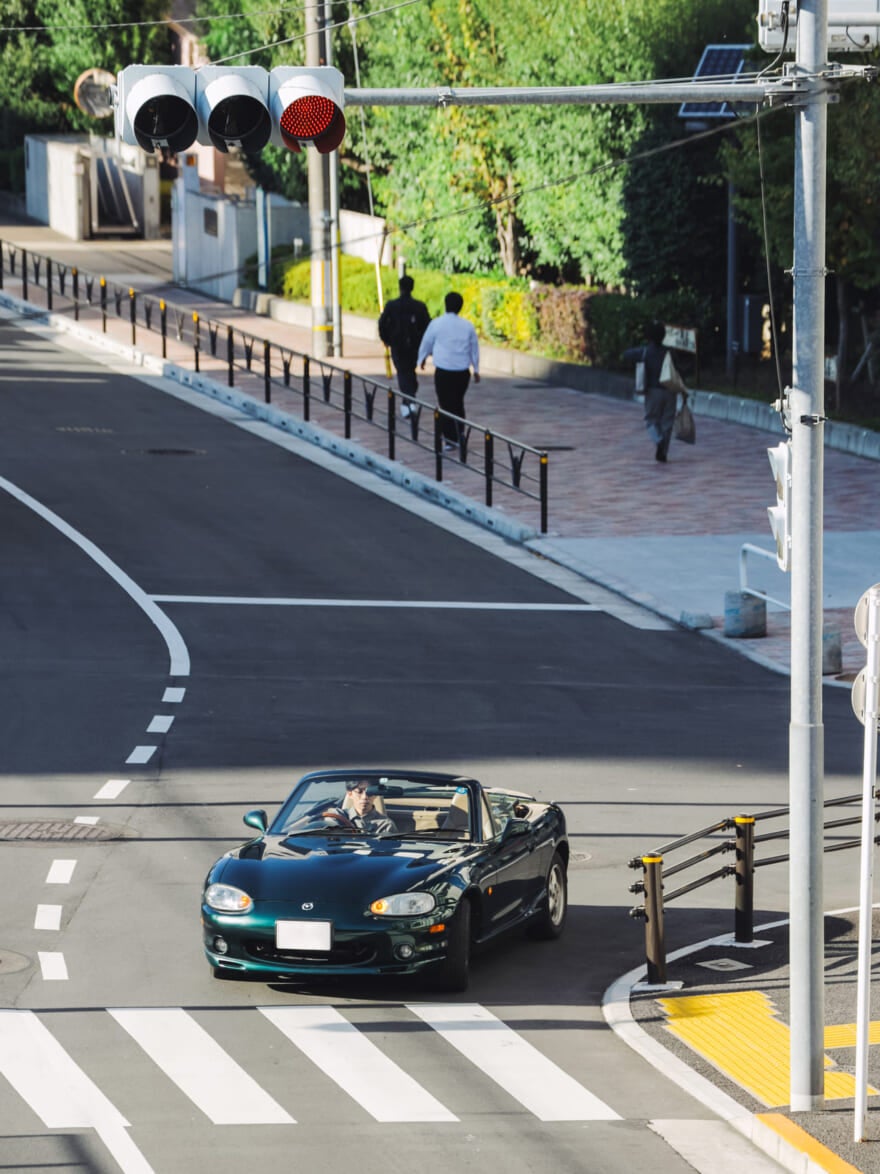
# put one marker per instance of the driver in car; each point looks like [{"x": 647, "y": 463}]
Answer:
[{"x": 360, "y": 810}]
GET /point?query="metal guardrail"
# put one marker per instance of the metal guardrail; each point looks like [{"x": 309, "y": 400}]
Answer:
[
  {"x": 746, "y": 549},
  {"x": 743, "y": 869},
  {"x": 499, "y": 460}
]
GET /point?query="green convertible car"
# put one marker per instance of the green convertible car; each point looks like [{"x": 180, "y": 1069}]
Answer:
[{"x": 385, "y": 872}]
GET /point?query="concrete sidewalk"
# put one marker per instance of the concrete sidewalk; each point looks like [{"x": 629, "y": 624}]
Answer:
[{"x": 666, "y": 536}]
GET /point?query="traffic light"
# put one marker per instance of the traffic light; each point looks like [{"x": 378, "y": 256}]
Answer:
[
  {"x": 780, "y": 514},
  {"x": 172, "y": 106}
]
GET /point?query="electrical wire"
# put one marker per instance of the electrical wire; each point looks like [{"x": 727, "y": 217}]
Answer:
[
  {"x": 512, "y": 197},
  {"x": 204, "y": 20}
]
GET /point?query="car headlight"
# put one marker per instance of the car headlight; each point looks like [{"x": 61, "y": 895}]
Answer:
[
  {"x": 403, "y": 905},
  {"x": 228, "y": 899}
]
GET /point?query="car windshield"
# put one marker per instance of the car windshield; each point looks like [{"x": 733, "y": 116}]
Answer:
[{"x": 386, "y": 806}]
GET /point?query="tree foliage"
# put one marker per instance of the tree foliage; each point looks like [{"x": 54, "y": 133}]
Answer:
[
  {"x": 605, "y": 196},
  {"x": 46, "y": 44},
  {"x": 543, "y": 184}
]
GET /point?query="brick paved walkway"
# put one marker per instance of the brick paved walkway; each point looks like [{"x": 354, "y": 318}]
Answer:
[{"x": 603, "y": 481}]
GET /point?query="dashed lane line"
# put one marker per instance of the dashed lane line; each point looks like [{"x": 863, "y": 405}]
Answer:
[
  {"x": 52, "y": 965},
  {"x": 60, "y": 872},
  {"x": 140, "y": 755},
  {"x": 48, "y": 917},
  {"x": 112, "y": 789}
]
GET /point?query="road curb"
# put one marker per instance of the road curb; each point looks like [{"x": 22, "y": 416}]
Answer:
[{"x": 619, "y": 1017}]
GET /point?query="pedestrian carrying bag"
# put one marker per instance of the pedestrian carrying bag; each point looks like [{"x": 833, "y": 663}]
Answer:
[
  {"x": 669, "y": 376},
  {"x": 684, "y": 427},
  {"x": 640, "y": 375}
]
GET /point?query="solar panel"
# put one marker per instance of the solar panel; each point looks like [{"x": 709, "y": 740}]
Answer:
[{"x": 721, "y": 61}]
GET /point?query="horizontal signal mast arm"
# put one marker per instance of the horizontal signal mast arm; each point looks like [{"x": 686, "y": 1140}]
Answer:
[{"x": 648, "y": 93}]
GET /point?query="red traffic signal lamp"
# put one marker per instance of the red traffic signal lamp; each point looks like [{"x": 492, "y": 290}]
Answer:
[
  {"x": 172, "y": 106},
  {"x": 307, "y": 107}
]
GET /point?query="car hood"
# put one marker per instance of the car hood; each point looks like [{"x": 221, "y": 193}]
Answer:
[{"x": 331, "y": 869}]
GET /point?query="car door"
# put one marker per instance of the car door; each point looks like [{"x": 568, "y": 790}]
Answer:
[{"x": 510, "y": 857}]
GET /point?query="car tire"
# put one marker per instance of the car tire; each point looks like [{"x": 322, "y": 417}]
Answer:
[
  {"x": 453, "y": 973},
  {"x": 549, "y": 923}
]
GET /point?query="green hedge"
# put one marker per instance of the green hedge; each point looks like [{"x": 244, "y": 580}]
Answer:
[{"x": 570, "y": 323}]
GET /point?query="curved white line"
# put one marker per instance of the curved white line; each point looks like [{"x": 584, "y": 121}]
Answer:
[{"x": 177, "y": 650}]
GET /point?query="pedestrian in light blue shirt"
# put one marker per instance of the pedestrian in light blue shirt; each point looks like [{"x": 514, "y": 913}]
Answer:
[{"x": 452, "y": 342}]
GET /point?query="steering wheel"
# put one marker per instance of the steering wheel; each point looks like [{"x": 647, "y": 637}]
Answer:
[{"x": 334, "y": 813}]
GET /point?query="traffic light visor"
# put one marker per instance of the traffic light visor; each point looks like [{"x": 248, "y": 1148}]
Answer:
[
  {"x": 161, "y": 114},
  {"x": 232, "y": 107}
]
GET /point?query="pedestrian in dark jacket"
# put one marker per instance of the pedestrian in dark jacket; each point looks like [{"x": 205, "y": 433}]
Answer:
[
  {"x": 659, "y": 401},
  {"x": 401, "y": 326}
]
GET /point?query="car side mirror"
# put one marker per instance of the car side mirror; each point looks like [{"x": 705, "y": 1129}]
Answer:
[
  {"x": 516, "y": 827},
  {"x": 257, "y": 820}
]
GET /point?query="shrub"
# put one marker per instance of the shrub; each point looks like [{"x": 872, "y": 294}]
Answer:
[{"x": 560, "y": 322}]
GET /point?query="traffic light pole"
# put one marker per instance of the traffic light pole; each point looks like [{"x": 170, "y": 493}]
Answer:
[
  {"x": 806, "y": 420},
  {"x": 333, "y": 203}
]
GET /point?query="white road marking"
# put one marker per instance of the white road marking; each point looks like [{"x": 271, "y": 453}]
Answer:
[
  {"x": 41, "y": 1072},
  {"x": 52, "y": 966},
  {"x": 112, "y": 789},
  {"x": 140, "y": 755},
  {"x": 715, "y": 1147},
  {"x": 90, "y": 819},
  {"x": 512, "y": 1062},
  {"x": 160, "y": 724},
  {"x": 199, "y": 1067},
  {"x": 60, "y": 872},
  {"x": 354, "y": 1062},
  {"x": 430, "y": 604},
  {"x": 172, "y": 696},
  {"x": 177, "y": 650},
  {"x": 58, "y": 1090},
  {"x": 48, "y": 917}
]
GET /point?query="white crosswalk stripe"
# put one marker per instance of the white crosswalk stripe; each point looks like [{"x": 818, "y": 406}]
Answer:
[
  {"x": 199, "y": 1066},
  {"x": 356, "y": 1064},
  {"x": 56, "y": 1088},
  {"x": 37, "y": 1066},
  {"x": 512, "y": 1062}
]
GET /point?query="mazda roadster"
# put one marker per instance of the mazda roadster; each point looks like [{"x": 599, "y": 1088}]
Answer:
[{"x": 385, "y": 872}]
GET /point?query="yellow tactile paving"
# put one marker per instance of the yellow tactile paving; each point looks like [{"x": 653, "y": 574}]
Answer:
[
  {"x": 801, "y": 1140},
  {"x": 741, "y": 1036},
  {"x": 844, "y": 1035}
]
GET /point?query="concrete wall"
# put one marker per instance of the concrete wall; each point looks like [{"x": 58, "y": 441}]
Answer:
[
  {"x": 212, "y": 238},
  {"x": 61, "y": 189},
  {"x": 56, "y": 182}
]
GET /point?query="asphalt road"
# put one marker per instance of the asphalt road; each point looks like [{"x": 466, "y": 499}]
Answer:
[{"x": 312, "y": 623}]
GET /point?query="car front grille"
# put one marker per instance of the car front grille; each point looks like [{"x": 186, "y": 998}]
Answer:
[{"x": 360, "y": 953}]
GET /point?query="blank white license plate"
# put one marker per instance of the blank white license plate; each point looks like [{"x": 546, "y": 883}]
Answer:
[{"x": 303, "y": 935}]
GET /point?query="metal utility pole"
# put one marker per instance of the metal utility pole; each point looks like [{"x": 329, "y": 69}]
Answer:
[
  {"x": 332, "y": 172},
  {"x": 805, "y": 415},
  {"x": 319, "y": 213}
]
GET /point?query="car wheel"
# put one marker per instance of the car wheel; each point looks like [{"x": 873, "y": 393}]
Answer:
[
  {"x": 550, "y": 922},
  {"x": 453, "y": 972}
]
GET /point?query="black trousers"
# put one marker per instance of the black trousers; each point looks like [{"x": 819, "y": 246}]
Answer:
[
  {"x": 405, "y": 366},
  {"x": 450, "y": 387}
]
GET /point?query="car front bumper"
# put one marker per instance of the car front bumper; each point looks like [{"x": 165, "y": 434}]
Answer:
[{"x": 247, "y": 944}]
